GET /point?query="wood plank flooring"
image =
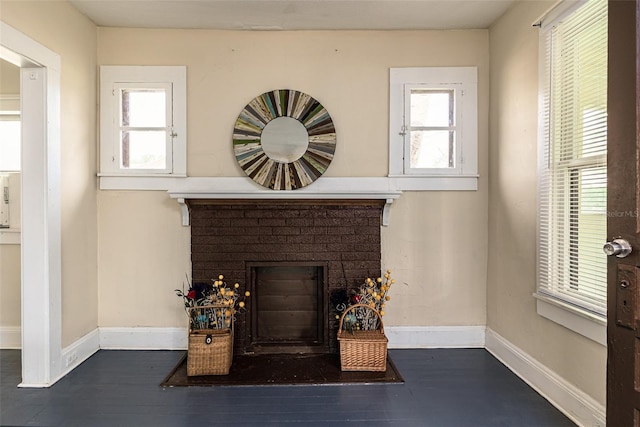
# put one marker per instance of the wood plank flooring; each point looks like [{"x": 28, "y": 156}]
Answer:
[{"x": 443, "y": 388}]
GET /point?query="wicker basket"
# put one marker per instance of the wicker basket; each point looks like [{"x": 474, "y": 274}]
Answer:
[
  {"x": 210, "y": 350},
  {"x": 363, "y": 350}
]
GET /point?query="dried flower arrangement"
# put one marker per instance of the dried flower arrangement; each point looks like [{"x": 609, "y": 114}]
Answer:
[
  {"x": 212, "y": 305},
  {"x": 373, "y": 294}
]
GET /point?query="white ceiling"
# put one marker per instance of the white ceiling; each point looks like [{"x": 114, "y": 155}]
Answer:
[{"x": 295, "y": 14}]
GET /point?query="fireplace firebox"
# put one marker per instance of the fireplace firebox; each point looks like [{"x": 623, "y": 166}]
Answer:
[{"x": 288, "y": 308}]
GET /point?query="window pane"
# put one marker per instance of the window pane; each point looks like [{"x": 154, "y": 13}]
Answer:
[
  {"x": 9, "y": 145},
  {"x": 144, "y": 149},
  {"x": 144, "y": 107},
  {"x": 432, "y": 149},
  {"x": 431, "y": 108},
  {"x": 573, "y": 184}
]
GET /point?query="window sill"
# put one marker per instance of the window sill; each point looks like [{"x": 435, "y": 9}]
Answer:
[
  {"x": 435, "y": 182},
  {"x": 139, "y": 182},
  {"x": 583, "y": 322},
  {"x": 10, "y": 236}
]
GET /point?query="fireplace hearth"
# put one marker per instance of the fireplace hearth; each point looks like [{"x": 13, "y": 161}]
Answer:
[{"x": 291, "y": 255}]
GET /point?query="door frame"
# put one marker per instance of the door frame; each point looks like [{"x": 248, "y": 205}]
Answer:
[{"x": 41, "y": 249}]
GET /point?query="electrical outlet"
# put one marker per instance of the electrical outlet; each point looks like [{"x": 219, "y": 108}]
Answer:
[{"x": 71, "y": 358}]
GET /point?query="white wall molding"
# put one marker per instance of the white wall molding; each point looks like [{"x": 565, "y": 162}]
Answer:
[
  {"x": 73, "y": 355},
  {"x": 171, "y": 338},
  {"x": 327, "y": 188},
  {"x": 575, "y": 404},
  {"x": 435, "y": 336},
  {"x": 143, "y": 338},
  {"x": 41, "y": 212},
  {"x": 10, "y": 337}
]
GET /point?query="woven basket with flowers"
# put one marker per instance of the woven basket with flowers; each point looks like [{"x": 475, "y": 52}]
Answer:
[
  {"x": 211, "y": 309},
  {"x": 363, "y": 344}
]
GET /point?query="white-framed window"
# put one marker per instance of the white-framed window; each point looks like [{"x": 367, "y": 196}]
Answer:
[
  {"x": 10, "y": 159},
  {"x": 572, "y": 182},
  {"x": 433, "y": 128},
  {"x": 9, "y": 133},
  {"x": 143, "y": 125}
]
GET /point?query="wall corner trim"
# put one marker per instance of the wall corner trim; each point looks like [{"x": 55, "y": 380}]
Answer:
[{"x": 579, "y": 407}]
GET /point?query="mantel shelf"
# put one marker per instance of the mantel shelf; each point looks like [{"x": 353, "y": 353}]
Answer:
[{"x": 326, "y": 188}]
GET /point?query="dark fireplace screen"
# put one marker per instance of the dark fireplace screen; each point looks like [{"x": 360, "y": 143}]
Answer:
[{"x": 289, "y": 310}]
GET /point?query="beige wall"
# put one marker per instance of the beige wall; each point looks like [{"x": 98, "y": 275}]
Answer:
[
  {"x": 9, "y": 285},
  {"x": 511, "y": 309},
  {"x": 142, "y": 246},
  {"x": 59, "y": 27},
  {"x": 9, "y": 78}
]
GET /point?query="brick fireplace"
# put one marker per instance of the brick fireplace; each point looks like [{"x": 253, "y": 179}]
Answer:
[{"x": 292, "y": 254}]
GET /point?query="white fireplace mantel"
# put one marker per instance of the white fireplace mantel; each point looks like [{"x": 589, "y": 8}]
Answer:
[{"x": 326, "y": 188}]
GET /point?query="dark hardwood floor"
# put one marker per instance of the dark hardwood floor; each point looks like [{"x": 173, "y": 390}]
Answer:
[{"x": 443, "y": 387}]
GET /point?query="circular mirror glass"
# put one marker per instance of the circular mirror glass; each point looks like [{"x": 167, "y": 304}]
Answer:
[{"x": 284, "y": 139}]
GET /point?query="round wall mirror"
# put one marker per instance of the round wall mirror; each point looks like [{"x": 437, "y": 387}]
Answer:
[{"x": 284, "y": 139}]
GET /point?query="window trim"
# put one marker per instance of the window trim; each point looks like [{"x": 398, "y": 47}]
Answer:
[
  {"x": 460, "y": 78},
  {"x": 583, "y": 322},
  {"x": 113, "y": 177},
  {"x": 588, "y": 323}
]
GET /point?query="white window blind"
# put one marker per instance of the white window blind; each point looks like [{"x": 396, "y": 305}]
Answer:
[{"x": 573, "y": 174}]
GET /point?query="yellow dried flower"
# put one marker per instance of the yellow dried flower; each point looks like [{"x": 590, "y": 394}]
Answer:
[
  {"x": 377, "y": 297},
  {"x": 220, "y": 277},
  {"x": 237, "y": 285},
  {"x": 387, "y": 298},
  {"x": 247, "y": 293},
  {"x": 241, "y": 304},
  {"x": 227, "y": 313},
  {"x": 393, "y": 280},
  {"x": 381, "y": 312},
  {"x": 389, "y": 271},
  {"x": 379, "y": 279}
]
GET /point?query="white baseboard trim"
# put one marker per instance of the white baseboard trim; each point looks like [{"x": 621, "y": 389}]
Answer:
[
  {"x": 435, "y": 336},
  {"x": 10, "y": 337},
  {"x": 575, "y": 404},
  {"x": 73, "y": 355},
  {"x": 143, "y": 338}
]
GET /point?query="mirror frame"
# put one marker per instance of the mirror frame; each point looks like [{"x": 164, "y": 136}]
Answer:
[{"x": 270, "y": 173}]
